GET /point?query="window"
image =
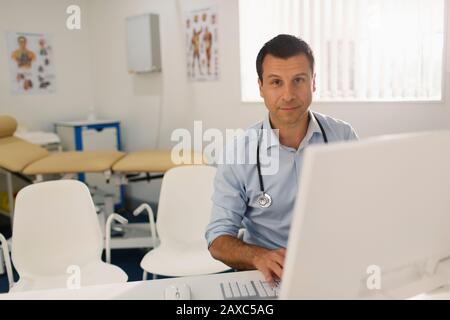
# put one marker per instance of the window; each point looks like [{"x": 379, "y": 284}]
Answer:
[{"x": 365, "y": 50}]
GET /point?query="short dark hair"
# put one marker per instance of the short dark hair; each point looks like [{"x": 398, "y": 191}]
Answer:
[{"x": 284, "y": 46}]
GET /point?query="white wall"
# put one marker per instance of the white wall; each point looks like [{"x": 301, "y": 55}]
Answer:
[
  {"x": 150, "y": 106},
  {"x": 146, "y": 103},
  {"x": 91, "y": 70},
  {"x": 218, "y": 104},
  {"x": 73, "y": 97}
]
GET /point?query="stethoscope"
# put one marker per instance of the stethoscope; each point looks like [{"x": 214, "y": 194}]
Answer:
[{"x": 265, "y": 200}]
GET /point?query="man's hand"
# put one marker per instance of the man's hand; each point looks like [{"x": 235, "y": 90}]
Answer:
[
  {"x": 244, "y": 256},
  {"x": 270, "y": 263}
]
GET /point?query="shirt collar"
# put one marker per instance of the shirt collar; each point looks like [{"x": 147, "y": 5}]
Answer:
[
  {"x": 272, "y": 139},
  {"x": 269, "y": 136},
  {"x": 313, "y": 126}
]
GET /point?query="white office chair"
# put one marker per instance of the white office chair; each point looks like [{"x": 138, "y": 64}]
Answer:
[
  {"x": 184, "y": 211},
  {"x": 56, "y": 237}
]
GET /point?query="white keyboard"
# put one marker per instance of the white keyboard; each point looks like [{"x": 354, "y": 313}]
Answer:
[{"x": 252, "y": 289}]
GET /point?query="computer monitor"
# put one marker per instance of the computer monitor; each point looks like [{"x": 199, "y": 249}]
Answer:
[{"x": 372, "y": 219}]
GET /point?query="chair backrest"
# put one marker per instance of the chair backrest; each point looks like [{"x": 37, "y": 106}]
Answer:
[
  {"x": 185, "y": 204},
  {"x": 55, "y": 226}
]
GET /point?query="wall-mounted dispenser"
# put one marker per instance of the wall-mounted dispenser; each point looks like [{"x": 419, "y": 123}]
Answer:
[{"x": 143, "y": 43}]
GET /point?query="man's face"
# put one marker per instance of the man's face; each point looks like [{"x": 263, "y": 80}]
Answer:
[{"x": 287, "y": 88}]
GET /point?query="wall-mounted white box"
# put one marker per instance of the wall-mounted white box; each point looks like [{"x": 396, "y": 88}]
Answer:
[{"x": 143, "y": 43}]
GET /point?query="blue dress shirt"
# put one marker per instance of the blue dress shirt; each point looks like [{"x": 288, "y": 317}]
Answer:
[{"x": 237, "y": 188}]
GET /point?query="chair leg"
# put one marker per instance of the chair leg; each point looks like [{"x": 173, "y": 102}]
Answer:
[
  {"x": 10, "y": 191},
  {"x": 144, "y": 275},
  {"x": 2, "y": 263}
]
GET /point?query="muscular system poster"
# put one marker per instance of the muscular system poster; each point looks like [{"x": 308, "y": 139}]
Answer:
[{"x": 202, "y": 44}]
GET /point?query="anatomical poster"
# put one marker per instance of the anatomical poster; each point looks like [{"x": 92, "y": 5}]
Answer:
[
  {"x": 31, "y": 63},
  {"x": 201, "y": 44}
]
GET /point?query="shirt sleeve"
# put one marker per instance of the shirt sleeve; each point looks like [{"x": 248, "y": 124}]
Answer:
[{"x": 229, "y": 204}]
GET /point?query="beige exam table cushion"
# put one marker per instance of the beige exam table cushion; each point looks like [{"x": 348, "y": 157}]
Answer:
[
  {"x": 75, "y": 162},
  {"x": 147, "y": 161},
  {"x": 16, "y": 154}
]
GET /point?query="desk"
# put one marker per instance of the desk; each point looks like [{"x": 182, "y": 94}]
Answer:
[{"x": 205, "y": 287}]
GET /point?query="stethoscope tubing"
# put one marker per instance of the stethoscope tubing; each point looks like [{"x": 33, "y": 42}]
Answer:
[{"x": 264, "y": 199}]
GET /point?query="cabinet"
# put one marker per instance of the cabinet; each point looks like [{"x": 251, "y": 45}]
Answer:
[
  {"x": 93, "y": 136},
  {"x": 143, "y": 43}
]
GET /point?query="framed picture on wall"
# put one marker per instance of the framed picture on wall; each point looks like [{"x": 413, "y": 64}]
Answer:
[
  {"x": 202, "y": 44},
  {"x": 31, "y": 63}
]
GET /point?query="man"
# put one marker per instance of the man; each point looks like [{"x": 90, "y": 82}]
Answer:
[{"x": 285, "y": 67}]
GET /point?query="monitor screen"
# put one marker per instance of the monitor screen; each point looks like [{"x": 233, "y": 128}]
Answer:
[{"x": 371, "y": 220}]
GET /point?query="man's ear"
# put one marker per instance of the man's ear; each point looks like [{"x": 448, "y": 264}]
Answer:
[
  {"x": 260, "y": 88},
  {"x": 314, "y": 83}
]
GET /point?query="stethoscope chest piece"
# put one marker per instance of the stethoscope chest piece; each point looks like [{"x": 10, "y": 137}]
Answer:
[{"x": 264, "y": 200}]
